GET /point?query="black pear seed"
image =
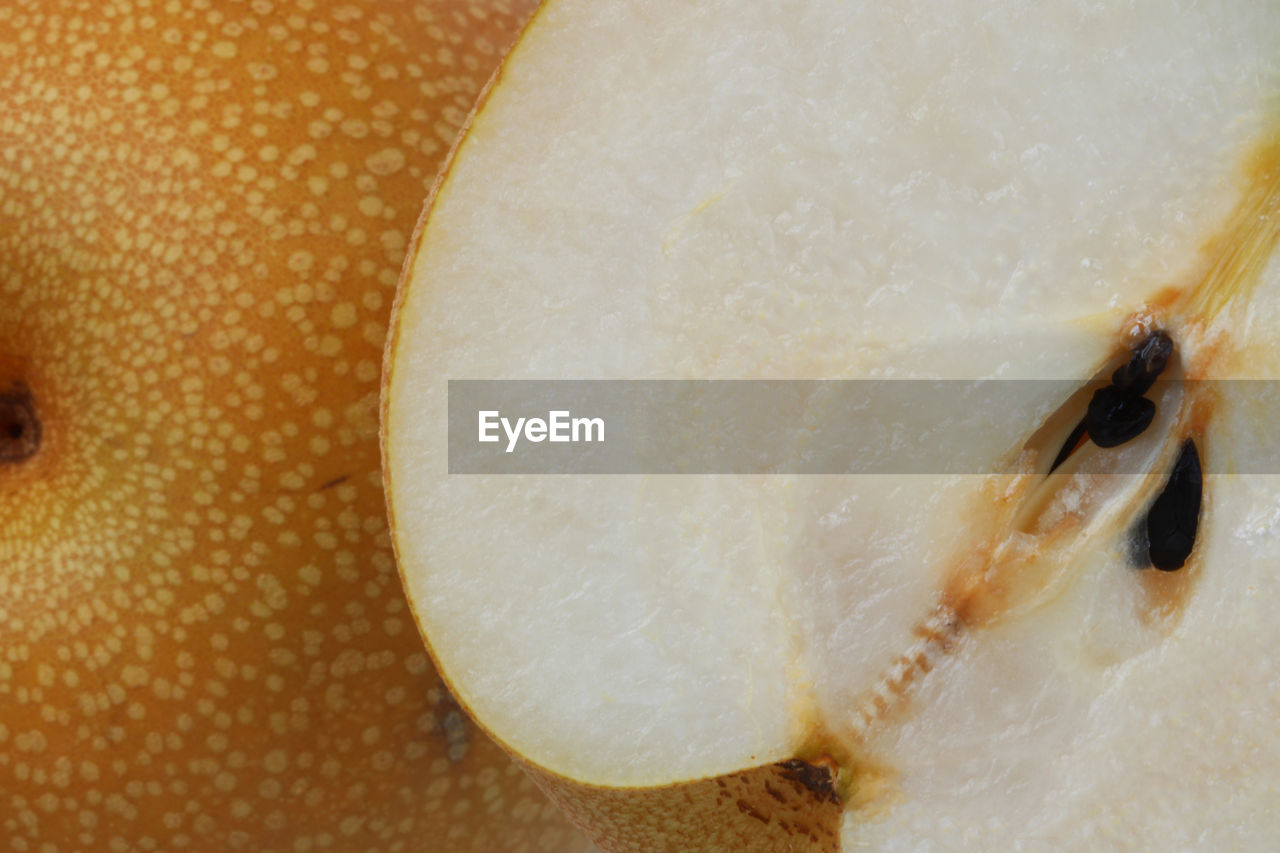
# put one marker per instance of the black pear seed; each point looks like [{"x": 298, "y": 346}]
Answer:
[
  {"x": 1068, "y": 446},
  {"x": 1146, "y": 362},
  {"x": 1116, "y": 416},
  {"x": 1175, "y": 515}
]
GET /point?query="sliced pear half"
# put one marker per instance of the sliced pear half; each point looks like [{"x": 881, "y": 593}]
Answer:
[{"x": 823, "y": 189}]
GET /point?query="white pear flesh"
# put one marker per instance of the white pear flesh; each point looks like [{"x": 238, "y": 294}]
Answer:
[{"x": 823, "y": 189}]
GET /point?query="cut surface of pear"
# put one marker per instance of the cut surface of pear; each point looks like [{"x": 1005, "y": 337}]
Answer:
[{"x": 832, "y": 190}]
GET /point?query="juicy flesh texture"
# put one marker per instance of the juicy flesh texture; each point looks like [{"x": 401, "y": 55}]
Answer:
[{"x": 832, "y": 190}]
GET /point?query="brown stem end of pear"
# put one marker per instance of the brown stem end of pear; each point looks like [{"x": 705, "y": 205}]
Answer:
[{"x": 20, "y": 429}]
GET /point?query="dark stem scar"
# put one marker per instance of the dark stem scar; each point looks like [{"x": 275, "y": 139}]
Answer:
[
  {"x": 817, "y": 779},
  {"x": 20, "y": 428}
]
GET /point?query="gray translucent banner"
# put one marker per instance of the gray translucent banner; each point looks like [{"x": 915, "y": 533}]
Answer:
[{"x": 835, "y": 426}]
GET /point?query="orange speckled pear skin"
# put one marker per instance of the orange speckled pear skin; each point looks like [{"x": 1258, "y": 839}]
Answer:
[{"x": 203, "y": 640}]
